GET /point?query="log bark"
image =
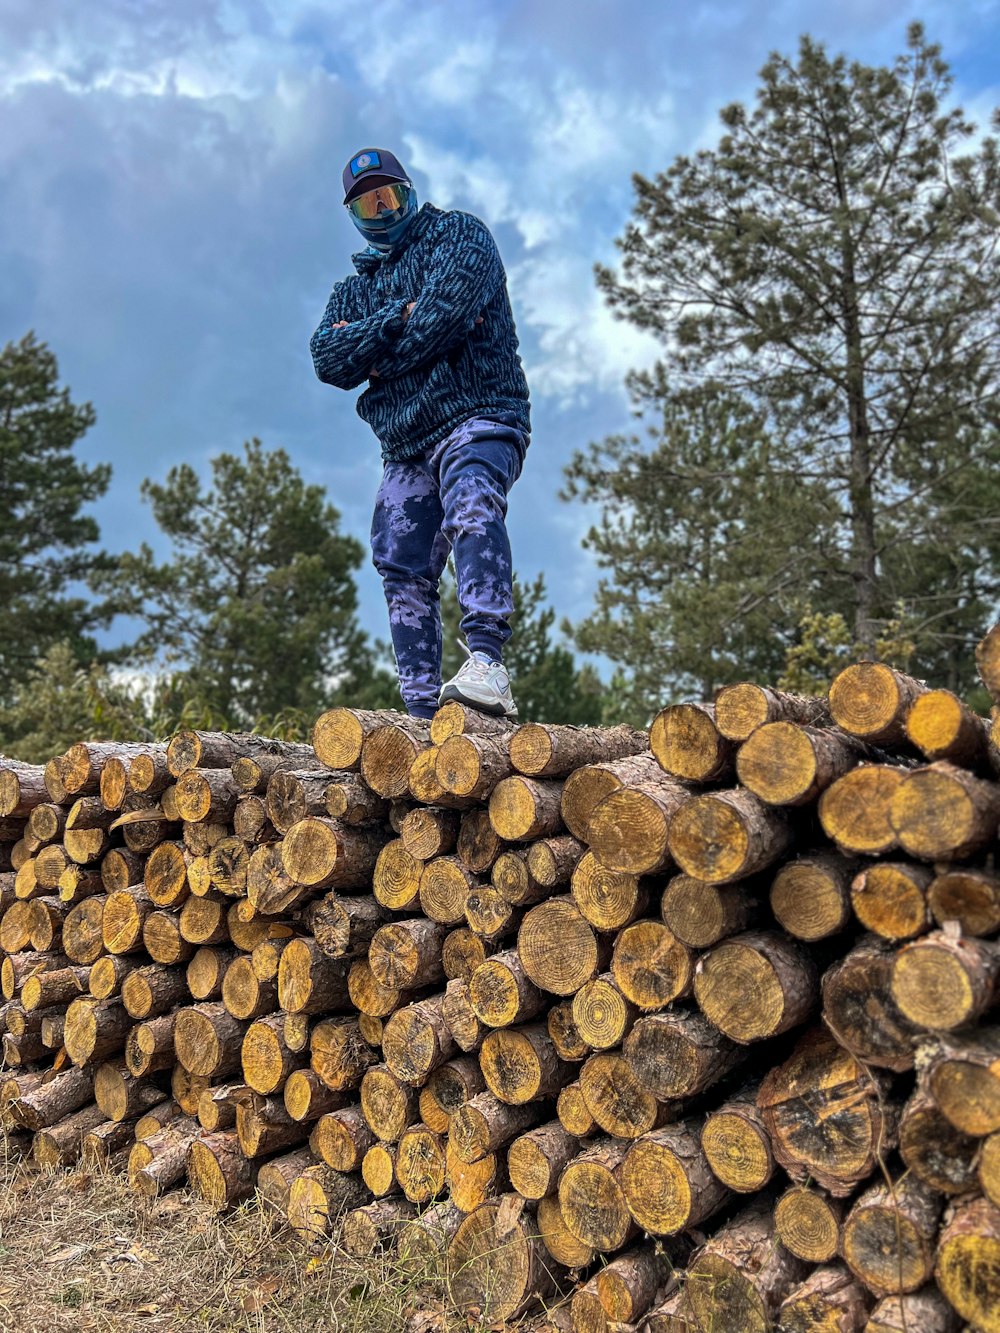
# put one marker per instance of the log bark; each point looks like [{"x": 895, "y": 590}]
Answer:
[
  {"x": 407, "y": 954},
  {"x": 46, "y": 1104},
  {"x": 157, "y": 1162},
  {"x": 828, "y": 1299},
  {"x": 756, "y": 985},
  {"x": 60, "y": 1145},
  {"x": 317, "y": 1198},
  {"x": 22, "y": 788},
  {"x": 546, "y": 751},
  {"x": 890, "y": 1234},
  {"x": 274, "y": 1179},
  {"x": 41, "y": 989},
  {"x": 264, "y": 1127},
  {"x": 827, "y": 1116},
  {"x": 937, "y": 1153},
  {"x": 926, "y": 1311},
  {"x": 687, "y": 743}
]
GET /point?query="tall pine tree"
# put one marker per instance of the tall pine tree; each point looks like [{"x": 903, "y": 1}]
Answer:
[{"x": 833, "y": 261}]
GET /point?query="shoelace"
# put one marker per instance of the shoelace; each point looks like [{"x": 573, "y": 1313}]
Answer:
[{"x": 473, "y": 668}]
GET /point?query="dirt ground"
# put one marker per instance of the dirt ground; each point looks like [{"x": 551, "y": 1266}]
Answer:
[{"x": 79, "y": 1252}]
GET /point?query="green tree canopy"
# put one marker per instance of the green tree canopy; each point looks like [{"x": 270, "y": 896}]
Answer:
[
  {"x": 834, "y": 262},
  {"x": 255, "y": 608},
  {"x": 47, "y": 542}
]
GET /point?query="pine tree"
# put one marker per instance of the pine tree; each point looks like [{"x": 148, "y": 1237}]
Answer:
[
  {"x": 255, "y": 608},
  {"x": 47, "y": 542},
  {"x": 833, "y": 260}
]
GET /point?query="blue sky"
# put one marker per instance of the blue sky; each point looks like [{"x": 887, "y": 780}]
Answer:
[{"x": 170, "y": 217}]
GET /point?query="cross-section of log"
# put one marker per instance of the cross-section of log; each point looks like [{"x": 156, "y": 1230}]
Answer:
[
  {"x": 387, "y": 1103},
  {"x": 339, "y": 1053},
  {"x": 341, "y": 1138},
  {"x": 499, "y": 1265},
  {"x": 628, "y": 829},
  {"x": 890, "y": 1234},
  {"x": 890, "y": 899},
  {"x": 378, "y": 1170},
  {"x": 785, "y": 764},
  {"x": 603, "y": 1016},
  {"x": 871, "y": 700},
  {"x": 756, "y": 985},
  {"x": 944, "y": 980},
  {"x": 343, "y": 926},
  {"x": 388, "y": 752},
  {"x": 564, "y": 1032},
  {"x": 667, "y": 1182},
  {"x": 687, "y": 743},
  {"x": 942, "y": 727},
  {"x": 457, "y": 719},
  {"x": 968, "y": 1263},
  {"x": 206, "y": 971},
  {"x": 559, "y": 948},
  {"x": 274, "y": 1179},
  {"x": 292, "y": 796},
  {"x": 317, "y": 1198},
  {"x": 650, "y": 966},
  {"x": 219, "y": 1172},
  {"x": 471, "y": 766},
  {"x": 701, "y": 914},
  {"x": 942, "y": 812},
  {"x": 444, "y": 888},
  {"x": 309, "y": 982},
  {"x": 536, "y": 1159},
  {"x": 969, "y": 896},
  {"x": 808, "y": 1222},
  {"x": 349, "y": 798},
  {"x": 609, "y": 899},
  {"x": 339, "y": 734},
  {"x": 854, "y": 811},
  {"x": 420, "y": 1164},
  {"x": 827, "y": 1115},
  {"x": 962, "y": 1074},
  {"x": 307, "y": 1097},
  {"x": 95, "y": 1029},
  {"x": 727, "y": 835},
  {"x": 679, "y": 1053},
  {"x": 377, "y": 1224},
  {"x": 829, "y": 1299},
  {"x": 152, "y": 990},
  {"x": 204, "y": 920},
  {"x": 521, "y": 1065},
  {"x": 557, "y": 1238},
  {"x": 22, "y": 788},
  {"x": 934, "y": 1150},
  {"x": 585, "y": 788},
  {"x": 523, "y": 808},
  {"x": 149, "y": 1047},
  {"x": 243, "y": 992},
  {"x": 427, "y": 832},
  {"x": 739, "y": 1279},
  {"x": 417, "y": 1039},
  {"x": 988, "y": 1167},
  {"x": 737, "y": 1145},
  {"x": 485, "y": 1124},
  {"x": 407, "y": 954},
  {"x": 396, "y": 877},
  {"x": 265, "y": 1127},
  {"x": 208, "y": 1040},
  {"x": 501, "y": 993},
  {"x": 165, "y": 875},
  {"x": 740, "y": 709},
  {"x": 44, "y": 988},
  {"x": 810, "y": 896},
  {"x": 591, "y": 1197},
  {"x": 859, "y": 1010},
  {"x": 325, "y": 854},
  {"x": 148, "y": 771},
  {"x": 124, "y": 915}
]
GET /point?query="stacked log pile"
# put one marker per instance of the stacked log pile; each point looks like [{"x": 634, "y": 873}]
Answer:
[{"x": 696, "y": 1024}]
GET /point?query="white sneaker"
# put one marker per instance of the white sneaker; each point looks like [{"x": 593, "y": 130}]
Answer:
[{"x": 482, "y": 684}]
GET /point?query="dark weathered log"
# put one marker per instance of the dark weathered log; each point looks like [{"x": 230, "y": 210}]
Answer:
[
  {"x": 343, "y": 926},
  {"x": 926, "y": 1311},
  {"x": 937, "y": 1153},
  {"x": 421, "y": 1164},
  {"x": 501, "y": 992},
  {"x": 564, "y": 1032},
  {"x": 339, "y": 1053},
  {"x": 756, "y": 985},
  {"x": 967, "y": 895},
  {"x": 479, "y": 843},
  {"x": 859, "y": 1010},
  {"x": 264, "y": 1126},
  {"x": 827, "y": 1115},
  {"x": 679, "y": 1053},
  {"x": 250, "y": 821},
  {"x": 407, "y": 954},
  {"x": 889, "y": 1236},
  {"x": 616, "y": 1098},
  {"x": 968, "y": 1263},
  {"x": 829, "y": 1299},
  {"x": 521, "y": 1064},
  {"x": 417, "y": 1039}
]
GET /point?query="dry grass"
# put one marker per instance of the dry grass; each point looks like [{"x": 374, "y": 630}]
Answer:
[{"x": 79, "y": 1252}]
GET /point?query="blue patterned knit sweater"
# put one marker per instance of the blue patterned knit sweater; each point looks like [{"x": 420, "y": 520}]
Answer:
[{"x": 439, "y": 367}]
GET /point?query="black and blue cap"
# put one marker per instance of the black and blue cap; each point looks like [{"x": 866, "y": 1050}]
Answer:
[{"x": 370, "y": 168}]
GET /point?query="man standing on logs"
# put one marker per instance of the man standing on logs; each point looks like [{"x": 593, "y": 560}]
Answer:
[{"x": 427, "y": 321}]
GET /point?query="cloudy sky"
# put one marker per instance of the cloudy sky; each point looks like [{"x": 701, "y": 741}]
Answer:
[{"x": 170, "y": 216}]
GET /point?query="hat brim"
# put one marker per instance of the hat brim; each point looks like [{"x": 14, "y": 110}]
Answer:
[{"x": 371, "y": 182}]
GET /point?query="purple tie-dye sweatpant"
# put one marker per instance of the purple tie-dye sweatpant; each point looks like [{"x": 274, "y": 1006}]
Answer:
[{"x": 454, "y": 497}]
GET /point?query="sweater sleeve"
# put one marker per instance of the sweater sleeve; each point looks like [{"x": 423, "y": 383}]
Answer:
[
  {"x": 344, "y": 357},
  {"x": 466, "y": 275}
]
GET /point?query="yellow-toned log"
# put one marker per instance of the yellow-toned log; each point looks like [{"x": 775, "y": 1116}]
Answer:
[
  {"x": 37, "y": 1107},
  {"x": 421, "y": 1164},
  {"x": 486, "y": 1124},
  {"x": 149, "y": 1048},
  {"x": 756, "y": 985},
  {"x": 478, "y": 844},
  {"x": 388, "y": 752},
  {"x": 522, "y": 808},
  {"x": 889, "y": 1236},
  {"x": 471, "y": 766},
  {"x": 811, "y": 895},
  {"x": 559, "y": 1241},
  {"x": 544, "y": 751},
  {"x": 498, "y": 1268},
  {"x": 149, "y": 991},
  {"x": 559, "y": 948},
  {"x": 341, "y": 1138},
  {"x": 339, "y": 735},
  {"x": 617, "y": 1099},
  {"x": 872, "y": 700},
  {"x": 785, "y": 764},
  {"x": 860, "y": 1011},
  {"x": 536, "y": 1159},
  {"x": 854, "y": 811},
  {"x": 828, "y": 1299},
  {"x": 827, "y": 1115},
  {"x": 809, "y": 1223},
  {"x": 217, "y": 1105},
  {"x": 591, "y": 1197},
  {"x": 339, "y": 1053},
  {"x": 889, "y": 898},
  {"x": 608, "y": 899},
  {"x": 603, "y": 1016},
  {"x": 274, "y": 1179},
  {"x": 501, "y": 993},
  {"x": 460, "y": 1017},
  {"x": 941, "y": 813},
  {"x": 551, "y": 861},
  {"x": 219, "y": 1172},
  {"x": 701, "y": 914},
  {"x": 417, "y": 1039},
  {"x": 206, "y": 971},
  {"x": 687, "y": 743},
  {"x": 650, "y": 966},
  {"x": 727, "y": 835},
  {"x": 667, "y": 1182},
  {"x": 309, "y": 982},
  {"x": 444, "y": 888},
  {"x": 349, "y": 798},
  {"x": 585, "y": 788},
  {"x": 95, "y": 1029},
  {"x": 968, "y": 1263},
  {"x": 396, "y": 877},
  {"x": 60, "y": 1145},
  {"x": 740, "y": 709},
  {"x": 521, "y": 1065},
  {"x": 628, "y": 829},
  {"x": 942, "y": 727},
  {"x": 377, "y": 1224},
  {"x": 207, "y": 1040},
  {"x": 326, "y": 854},
  {"x": 159, "y": 1161},
  {"x": 944, "y": 981},
  {"x": 387, "y": 1103},
  {"x": 428, "y": 832},
  {"x": 319, "y": 1196},
  {"x": 737, "y": 1145},
  {"x": 307, "y": 1097},
  {"x": 378, "y": 1170}
]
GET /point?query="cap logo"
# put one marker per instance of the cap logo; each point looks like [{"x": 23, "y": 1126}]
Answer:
[{"x": 364, "y": 162}]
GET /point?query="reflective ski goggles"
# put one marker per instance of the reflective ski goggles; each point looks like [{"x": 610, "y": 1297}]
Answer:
[{"x": 383, "y": 199}]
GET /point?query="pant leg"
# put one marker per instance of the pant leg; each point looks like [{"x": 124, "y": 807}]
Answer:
[
  {"x": 409, "y": 551},
  {"x": 475, "y": 467}
]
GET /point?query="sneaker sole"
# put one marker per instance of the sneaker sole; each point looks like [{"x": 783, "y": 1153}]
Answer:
[{"x": 452, "y": 694}]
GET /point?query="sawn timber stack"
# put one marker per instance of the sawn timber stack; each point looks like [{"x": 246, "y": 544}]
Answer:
[{"x": 694, "y": 1027}]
